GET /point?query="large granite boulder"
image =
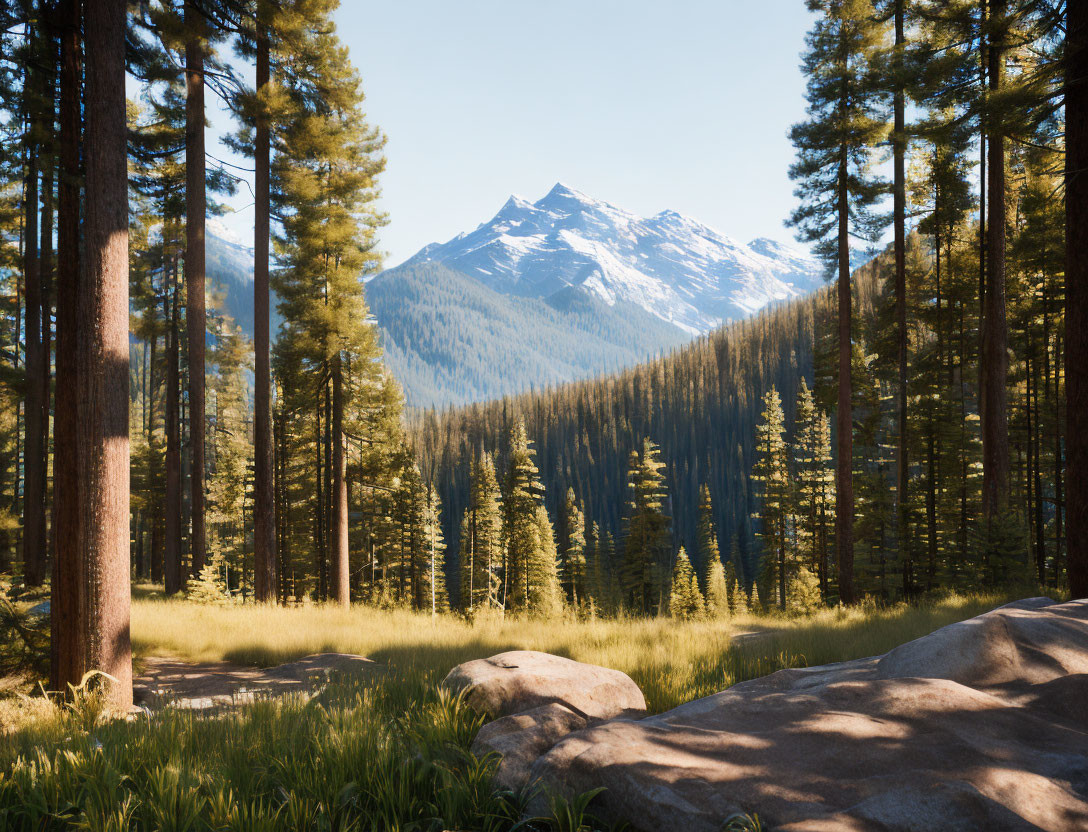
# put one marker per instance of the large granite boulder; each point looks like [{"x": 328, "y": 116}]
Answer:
[
  {"x": 980, "y": 725},
  {"x": 521, "y": 680}
]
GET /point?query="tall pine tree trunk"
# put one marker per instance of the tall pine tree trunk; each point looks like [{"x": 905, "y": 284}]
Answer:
[
  {"x": 101, "y": 451},
  {"x": 899, "y": 210},
  {"x": 33, "y": 444},
  {"x": 195, "y": 316},
  {"x": 995, "y": 332},
  {"x": 844, "y": 484},
  {"x": 67, "y": 603},
  {"x": 1076, "y": 298},
  {"x": 338, "y": 534},
  {"x": 172, "y": 571},
  {"x": 264, "y": 518}
]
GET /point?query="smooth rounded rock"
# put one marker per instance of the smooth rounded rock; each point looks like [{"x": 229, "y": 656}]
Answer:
[{"x": 521, "y": 680}]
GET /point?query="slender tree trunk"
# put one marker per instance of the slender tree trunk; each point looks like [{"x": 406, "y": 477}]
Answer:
[
  {"x": 1076, "y": 298},
  {"x": 172, "y": 571},
  {"x": 264, "y": 518},
  {"x": 844, "y": 482},
  {"x": 338, "y": 537},
  {"x": 47, "y": 266},
  {"x": 995, "y": 333},
  {"x": 68, "y": 604},
  {"x": 899, "y": 210},
  {"x": 153, "y": 444},
  {"x": 1040, "y": 532},
  {"x": 33, "y": 443},
  {"x": 319, "y": 525},
  {"x": 195, "y": 316},
  {"x": 102, "y": 449}
]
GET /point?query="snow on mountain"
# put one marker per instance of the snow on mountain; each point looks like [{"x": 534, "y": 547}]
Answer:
[{"x": 671, "y": 265}]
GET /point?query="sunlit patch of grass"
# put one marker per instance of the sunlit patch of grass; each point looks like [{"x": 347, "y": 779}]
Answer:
[{"x": 673, "y": 662}]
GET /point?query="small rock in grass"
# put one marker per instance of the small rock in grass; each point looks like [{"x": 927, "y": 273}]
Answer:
[{"x": 521, "y": 680}]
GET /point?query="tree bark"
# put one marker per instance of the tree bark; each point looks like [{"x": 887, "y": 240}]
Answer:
[
  {"x": 33, "y": 447},
  {"x": 1076, "y": 298},
  {"x": 995, "y": 332},
  {"x": 844, "y": 482},
  {"x": 172, "y": 571},
  {"x": 102, "y": 452},
  {"x": 338, "y": 537},
  {"x": 899, "y": 210},
  {"x": 195, "y": 313},
  {"x": 264, "y": 517},
  {"x": 67, "y": 603}
]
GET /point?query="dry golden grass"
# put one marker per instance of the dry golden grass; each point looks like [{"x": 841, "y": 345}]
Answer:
[{"x": 672, "y": 661}]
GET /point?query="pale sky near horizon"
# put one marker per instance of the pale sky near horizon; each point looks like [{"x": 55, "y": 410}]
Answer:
[{"x": 649, "y": 105}]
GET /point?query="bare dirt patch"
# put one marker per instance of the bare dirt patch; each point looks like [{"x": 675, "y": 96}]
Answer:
[{"x": 203, "y": 685}]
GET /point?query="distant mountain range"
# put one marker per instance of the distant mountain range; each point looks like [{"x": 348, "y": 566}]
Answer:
[
  {"x": 567, "y": 287},
  {"x": 563, "y": 288}
]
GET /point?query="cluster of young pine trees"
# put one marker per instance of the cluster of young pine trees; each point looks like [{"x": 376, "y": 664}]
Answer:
[{"x": 512, "y": 560}]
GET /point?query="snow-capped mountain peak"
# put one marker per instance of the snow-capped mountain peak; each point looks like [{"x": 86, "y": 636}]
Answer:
[{"x": 671, "y": 265}]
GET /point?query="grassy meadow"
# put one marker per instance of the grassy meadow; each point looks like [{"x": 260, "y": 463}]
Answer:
[{"x": 389, "y": 752}]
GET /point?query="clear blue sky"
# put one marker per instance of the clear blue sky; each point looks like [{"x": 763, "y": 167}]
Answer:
[{"x": 650, "y": 105}]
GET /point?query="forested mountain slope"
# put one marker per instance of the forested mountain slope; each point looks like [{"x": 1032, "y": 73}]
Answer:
[
  {"x": 448, "y": 338},
  {"x": 700, "y": 404}
]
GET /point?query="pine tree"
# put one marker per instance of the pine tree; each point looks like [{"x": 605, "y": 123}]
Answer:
[
  {"x": 646, "y": 545},
  {"x": 481, "y": 556},
  {"x": 573, "y": 571},
  {"x": 707, "y": 553},
  {"x": 327, "y": 159},
  {"x": 717, "y": 591},
  {"x": 530, "y": 567},
  {"x": 232, "y": 451},
  {"x": 432, "y": 576},
  {"x": 738, "y": 598},
  {"x": 91, "y": 596},
  {"x": 771, "y": 474},
  {"x": 545, "y": 594},
  {"x": 837, "y": 192},
  {"x": 815, "y": 483},
  {"x": 685, "y": 599}
]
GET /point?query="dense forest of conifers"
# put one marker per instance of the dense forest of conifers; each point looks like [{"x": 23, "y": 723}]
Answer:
[{"x": 918, "y": 428}]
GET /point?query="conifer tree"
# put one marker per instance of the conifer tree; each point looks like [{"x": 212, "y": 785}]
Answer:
[
  {"x": 432, "y": 576},
  {"x": 481, "y": 541},
  {"x": 573, "y": 571},
  {"x": 815, "y": 484},
  {"x": 771, "y": 475},
  {"x": 707, "y": 536},
  {"x": 545, "y": 593},
  {"x": 837, "y": 192},
  {"x": 327, "y": 159},
  {"x": 738, "y": 598},
  {"x": 646, "y": 545},
  {"x": 717, "y": 591},
  {"x": 530, "y": 566},
  {"x": 685, "y": 599},
  {"x": 230, "y": 446}
]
